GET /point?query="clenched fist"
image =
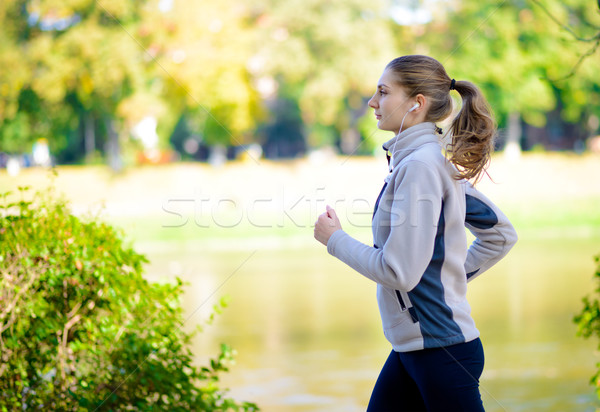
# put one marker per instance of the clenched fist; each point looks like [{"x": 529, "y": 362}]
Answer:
[{"x": 326, "y": 224}]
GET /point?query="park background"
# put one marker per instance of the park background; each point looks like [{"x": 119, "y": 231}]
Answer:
[{"x": 214, "y": 134}]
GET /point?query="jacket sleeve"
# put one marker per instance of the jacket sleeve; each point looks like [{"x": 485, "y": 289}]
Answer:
[
  {"x": 413, "y": 213},
  {"x": 494, "y": 235}
]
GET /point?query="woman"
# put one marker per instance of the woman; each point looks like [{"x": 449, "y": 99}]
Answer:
[{"x": 420, "y": 258}]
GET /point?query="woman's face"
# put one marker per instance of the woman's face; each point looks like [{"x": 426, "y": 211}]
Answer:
[{"x": 391, "y": 104}]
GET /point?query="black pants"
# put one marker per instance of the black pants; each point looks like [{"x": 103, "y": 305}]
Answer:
[{"x": 440, "y": 379}]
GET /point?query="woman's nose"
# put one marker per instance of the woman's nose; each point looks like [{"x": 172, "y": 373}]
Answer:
[{"x": 372, "y": 102}]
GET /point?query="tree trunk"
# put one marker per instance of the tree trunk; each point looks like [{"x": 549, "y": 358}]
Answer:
[
  {"x": 89, "y": 135},
  {"x": 218, "y": 155},
  {"x": 512, "y": 150},
  {"x": 350, "y": 141},
  {"x": 113, "y": 148}
]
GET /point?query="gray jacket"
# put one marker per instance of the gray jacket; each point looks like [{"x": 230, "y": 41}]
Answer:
[{"x": 420, "y": 259}]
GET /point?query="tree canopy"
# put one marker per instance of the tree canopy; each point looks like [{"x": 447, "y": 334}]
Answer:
[{"x": 83, "y": 73}]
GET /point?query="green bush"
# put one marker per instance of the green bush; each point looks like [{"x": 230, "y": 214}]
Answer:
[
  {"x": 81, "y": 329},
  {"x": 588, "y": 322}
]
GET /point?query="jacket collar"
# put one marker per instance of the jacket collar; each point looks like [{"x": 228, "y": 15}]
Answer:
[{"x": 410, "y": 139}]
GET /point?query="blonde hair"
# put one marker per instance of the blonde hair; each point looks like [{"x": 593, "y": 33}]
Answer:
[{"x": 473, "y": 130}]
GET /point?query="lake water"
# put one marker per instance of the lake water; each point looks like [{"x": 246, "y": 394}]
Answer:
[{"x": 308, "y": 337}]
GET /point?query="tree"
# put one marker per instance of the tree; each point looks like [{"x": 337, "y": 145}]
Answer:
[
  {"x": 578, "y": 87},
  {"x": 579, "y": 16},
  {"x": 327, "y": 57},
  {"x": 21, "y": 114},
  {"x": 75, "y": 61},
  {"x": 80, "y": 327},
  {"x": 512, "y": 51},
  {"x": 90, "y": 57},
  {"x": 202, "y": 50}
]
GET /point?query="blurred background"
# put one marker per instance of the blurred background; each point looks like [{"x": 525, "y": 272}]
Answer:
[{"x": 214, "y": 133}]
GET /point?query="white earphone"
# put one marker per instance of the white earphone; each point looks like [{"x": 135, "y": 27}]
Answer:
[{"x": 416, "y": 105}]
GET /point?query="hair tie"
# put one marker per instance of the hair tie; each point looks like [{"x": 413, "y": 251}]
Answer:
[
  {"x": 452, "y": 84},
  {"x": 439, "y": 130}
]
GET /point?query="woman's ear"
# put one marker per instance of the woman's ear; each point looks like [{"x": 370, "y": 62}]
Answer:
[{"x": 422, "y": 100}]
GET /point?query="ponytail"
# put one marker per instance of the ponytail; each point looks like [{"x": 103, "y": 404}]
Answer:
[{"x": 473, "y": 131}]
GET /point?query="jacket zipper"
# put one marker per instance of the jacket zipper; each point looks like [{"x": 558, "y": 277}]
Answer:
[
  {"x": 398, "y": 295},
  {"x": 400, "y": 300}
]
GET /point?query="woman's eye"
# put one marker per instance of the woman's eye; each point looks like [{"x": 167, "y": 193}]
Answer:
[{"x": 381, "y": 92}]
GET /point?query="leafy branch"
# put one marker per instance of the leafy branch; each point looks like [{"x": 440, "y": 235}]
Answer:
[{"x": 595, "y": 39}]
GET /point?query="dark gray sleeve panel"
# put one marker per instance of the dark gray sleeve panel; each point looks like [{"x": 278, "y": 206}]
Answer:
[
  {"x": 479, "y": 214},
  {"x": 471, "y": 274},
  {"x": 494, "y": 234}
]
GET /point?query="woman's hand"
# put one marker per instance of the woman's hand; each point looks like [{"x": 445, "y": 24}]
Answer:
[{"x": 326, "y": 224}]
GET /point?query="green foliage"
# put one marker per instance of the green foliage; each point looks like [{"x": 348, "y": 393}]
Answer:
[
  {"x": 202, "y": 50},
  {"x": 588, "y": 321},
  {"x": 332, "y": 52},
  {"x": 517, "y": 54},
  {"x": 117, "y": 61},
  {"x": 81, "y": 329}
]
